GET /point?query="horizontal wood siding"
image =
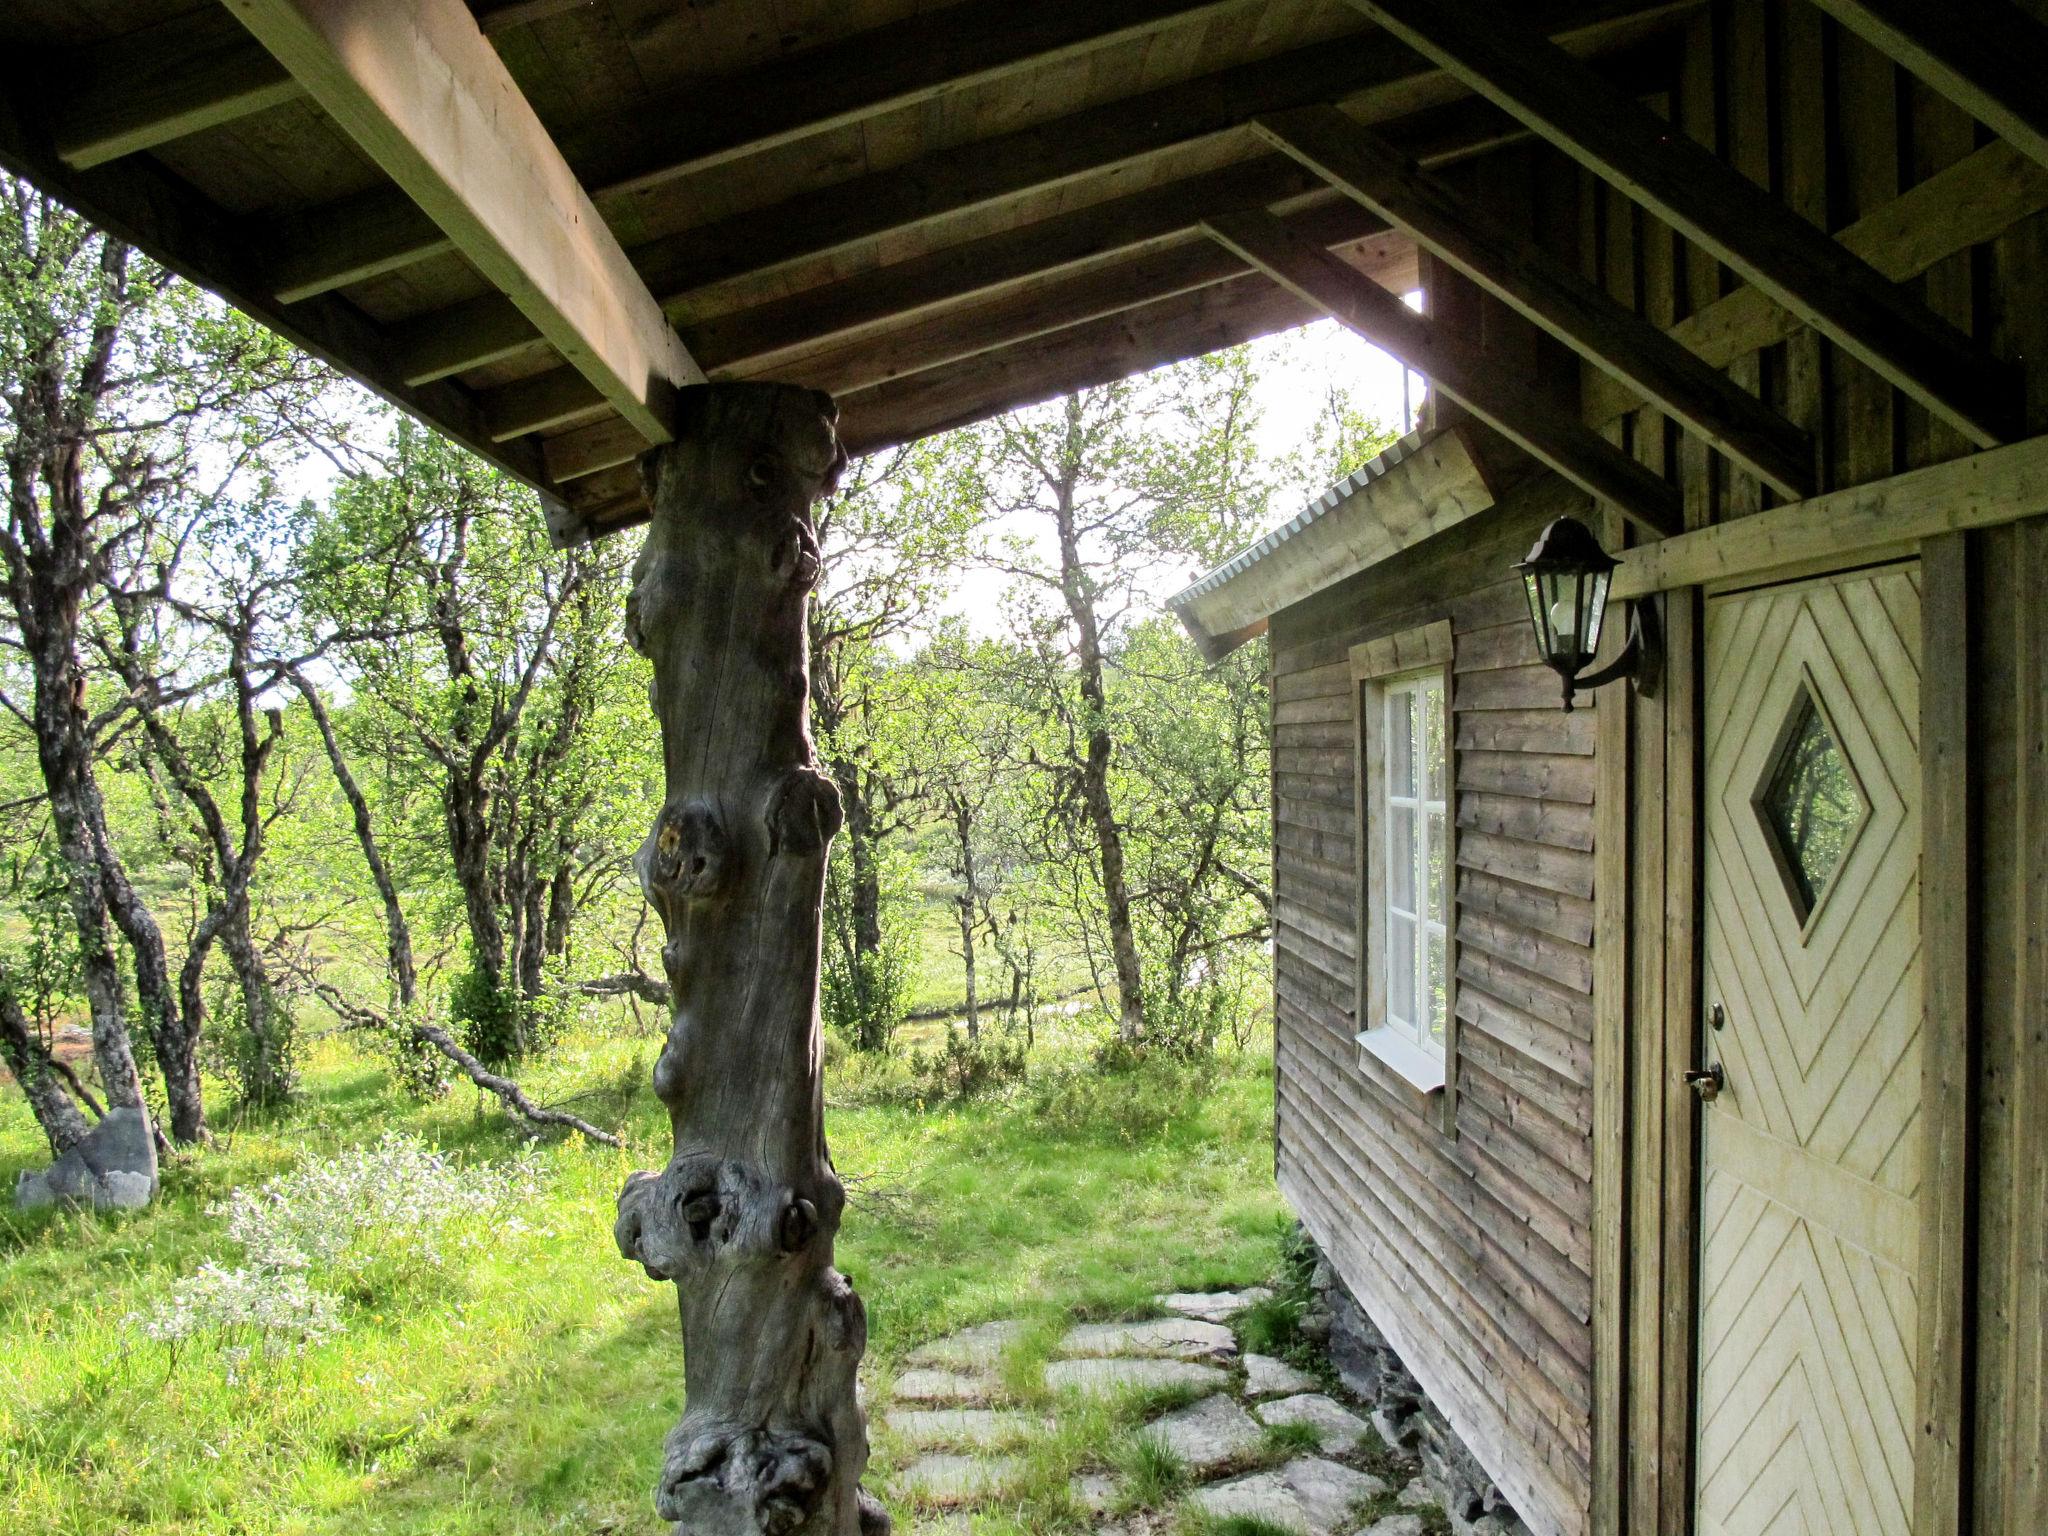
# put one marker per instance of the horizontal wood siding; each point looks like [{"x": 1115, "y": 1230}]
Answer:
[{"x": 1472, "y": 1252}]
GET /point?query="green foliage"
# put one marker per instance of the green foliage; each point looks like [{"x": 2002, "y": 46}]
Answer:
[
  {"x": 864, "y": 995},
  {"x": 965, "y": 1066},
  {"x": 1126, "y": 1094},
  {"x": 262, "y": 1058}
]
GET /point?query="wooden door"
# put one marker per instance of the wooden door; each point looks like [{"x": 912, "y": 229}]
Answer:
[{"x": 1810, "y": 1156}]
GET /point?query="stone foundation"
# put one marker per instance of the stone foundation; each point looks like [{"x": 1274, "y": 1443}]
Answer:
[{"x": 1403, "y": 1414}]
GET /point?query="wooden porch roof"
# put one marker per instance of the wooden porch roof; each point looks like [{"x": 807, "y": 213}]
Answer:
[{"x": 530, "y": 221}]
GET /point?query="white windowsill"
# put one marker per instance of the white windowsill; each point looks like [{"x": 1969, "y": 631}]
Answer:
[{"x": 1423, "y": 1070}]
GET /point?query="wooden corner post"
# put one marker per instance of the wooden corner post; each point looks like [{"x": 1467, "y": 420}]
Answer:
[{"x": 772, "y": 1441}]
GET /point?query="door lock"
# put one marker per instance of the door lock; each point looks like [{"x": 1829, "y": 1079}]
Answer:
[{"x": 1707, "y": 1085}]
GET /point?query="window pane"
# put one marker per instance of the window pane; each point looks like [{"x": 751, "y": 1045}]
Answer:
[
  {"x": 1401, "y": 742},
  {"x": 1401, "y": 858},
  {"x": 1439, "y": 992},
  {"x": 1436, "y": 907},
  {"x": 1401, "y": 969},
  {"x": 1433, "y": 744}
]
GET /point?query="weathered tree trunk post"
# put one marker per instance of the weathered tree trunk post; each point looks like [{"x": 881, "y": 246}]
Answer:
[{"x": 772, "y": 1441}]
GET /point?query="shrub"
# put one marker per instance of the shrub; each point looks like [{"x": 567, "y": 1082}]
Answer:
[
  {"x": 259, "y": 1313},
  {"x": 499, "y": 1025},
  {"x": 967, "y": 1066},
  {"x": 374, "y": 1217},
  {"x": 1125, "y": 1094},
  {"x": 864, "y": 997}
]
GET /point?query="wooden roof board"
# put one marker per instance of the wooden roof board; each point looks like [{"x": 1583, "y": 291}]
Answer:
[{"x": 730, "y": 236}]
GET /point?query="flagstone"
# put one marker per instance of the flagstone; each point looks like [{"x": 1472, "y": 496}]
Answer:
[
  {"x": 970, "y": 1428},
  {"x": 958, "y": 1479},
  {"x": 939, "y": 1387},
  {"x": 1098, "y": 1377},
  {"x": 1308, "y": 1496},
  {"x": 1213, "y": 1306},
  {"x": 1207, "y": 1435},
  {"x": 1178, "y": 1338},
  {"x": 1338, "y": 1430},
  {"x": 1093, "y": 1491},
  {"x": 971, "y": 1349},
  {"x": 1265, "y": 1376}
]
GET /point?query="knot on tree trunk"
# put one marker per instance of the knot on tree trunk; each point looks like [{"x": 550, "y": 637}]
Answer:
[{"x": 772, "y": 1440}]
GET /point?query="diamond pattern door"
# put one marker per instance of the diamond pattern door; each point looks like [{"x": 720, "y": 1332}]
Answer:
[{"x": 1810, "y": 1157}]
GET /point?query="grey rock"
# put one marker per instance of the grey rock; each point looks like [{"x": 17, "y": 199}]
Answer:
[
  {"x": 1213, "y": 1306},
  {"x": 1394, "y": 1525},
  {"x": 1093, "y": 1491},
  {"x": 1176, "y": 1338},
  {"x": 1308, "y": 1495},
  {"x": 979, "y": 1429},
  {"x": 939, "y": 1387},
  {"x": 1101, "y": 1377},
  {"x": 957, "y": 1479},
  {"x": 114, "y": 1168},
  {"x": 1207, "y": 1435},
  {"x": 971, "y": 1349},
  {"x": 1417, "y": 1495},
  {"x": 1399, "y": 1430},
  {"x": 1337, "y": 1429},
  {"x": 1266, "y": 1377}
]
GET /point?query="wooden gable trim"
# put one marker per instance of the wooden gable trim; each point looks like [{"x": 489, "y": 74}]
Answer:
[
  {"x": 421, "y": 90},
  {"x": 1534, "y": 422},
  {"x": 1543, "y": 289},
  {"x": 1987, "y": 59},
  {"x": 1434, "y": 485},
  {"x": 1876, "y": 521},
  {"x": 1495, "y": 52}
]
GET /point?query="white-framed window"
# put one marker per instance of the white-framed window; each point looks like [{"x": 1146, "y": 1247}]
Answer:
[
  {"x": 1412, "y": 810},
  {"x": 1407, "y": 851}
]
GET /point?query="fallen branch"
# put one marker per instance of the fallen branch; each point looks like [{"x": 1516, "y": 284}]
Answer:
[
  {"x": 626, "y": 984},
  {"x": 514, "y": 1097}
]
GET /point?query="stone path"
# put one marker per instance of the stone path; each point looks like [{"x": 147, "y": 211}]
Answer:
[{"x": 1250, "y": 1434}]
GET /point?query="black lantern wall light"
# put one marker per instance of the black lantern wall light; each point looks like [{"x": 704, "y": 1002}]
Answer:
[{"x": 1567, "y": 576}]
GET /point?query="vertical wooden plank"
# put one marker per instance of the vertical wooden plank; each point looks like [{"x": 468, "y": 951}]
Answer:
[
  {"x": 1867, "y": 131},
  {"x": 1744, "y": 84},
  {"x": 1697, "y": 113},
  {"x": 2017, "y": 1466},
  {"x": 1940, "y": 134},
  {"x": 1803, "y": 176},
  {"x": 1947, "y": 1046},
  {"x": 1612, "y": 1009}
]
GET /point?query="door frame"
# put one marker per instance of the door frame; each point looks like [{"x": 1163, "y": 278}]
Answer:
[{"x": 1648, "y": 962}]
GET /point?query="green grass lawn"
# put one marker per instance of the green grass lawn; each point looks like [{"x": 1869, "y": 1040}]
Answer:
[{"x": 527, "y": 1387}]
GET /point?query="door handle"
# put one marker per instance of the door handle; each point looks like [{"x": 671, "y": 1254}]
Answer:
[{"x": 1707, "y": 1084}]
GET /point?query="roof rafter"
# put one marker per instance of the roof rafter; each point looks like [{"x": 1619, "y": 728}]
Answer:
[
  {"x": 1543, "y": 289},
  {"x": 1987, "y": 62},
  {"x": 916, "y": 59},
  {"x": 1381, "y": 79},
  {"x": 1533, "y": 421},
  {"x": 421, "y": 90},
  {"x": 953, "y": 335},
  {"x": 1497, "y": 54}
]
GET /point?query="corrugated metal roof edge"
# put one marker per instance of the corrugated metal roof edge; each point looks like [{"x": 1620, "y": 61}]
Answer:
[{"x": 1335, "y": 497}]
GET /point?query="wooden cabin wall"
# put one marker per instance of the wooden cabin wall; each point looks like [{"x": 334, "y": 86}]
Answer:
[
  {"x": 1475, "y": 1253},
  {"x": 1471, "y": 1252}
]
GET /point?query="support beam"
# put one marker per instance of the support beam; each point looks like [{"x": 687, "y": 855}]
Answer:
[
  {"x": 161, "y": 84},
  {"x": 744, "y": 1214},
  {"x": 1543, "y": 289},
  {"x": 919, "y": 58},
  {"x": 1494, "y": 51},
  {"x": 421, "y": 90},
  {"x": 1879, "y": 520},
  {"x": 1987, "y": 59},
  {"x": 1532, "y": 421}
]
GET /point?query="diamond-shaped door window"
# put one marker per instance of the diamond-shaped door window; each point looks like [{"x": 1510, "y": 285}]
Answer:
[{"x": 1811, "y": 804}]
